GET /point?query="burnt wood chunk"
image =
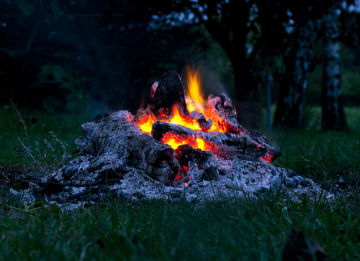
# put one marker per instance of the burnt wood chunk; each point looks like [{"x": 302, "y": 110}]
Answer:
[
  {"x": 224, "y": 116},
  {"x": 225, "y": 145},
  {"x": 169, "y": 92},
  {"x": 116, "y": 133},
  {"x": 260, "y": 139},
  {"x": 185, "y": 153},
  {"x": 201, "y": 120},
  {"x": 223, "y": 113}
]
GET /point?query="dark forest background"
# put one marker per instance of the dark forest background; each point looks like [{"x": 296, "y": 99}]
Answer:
[{"x": 76, "y": 57}]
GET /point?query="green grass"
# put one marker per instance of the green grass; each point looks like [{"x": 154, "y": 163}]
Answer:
[
  {"x": 233, "y": 230},
  {"x": 157, "y": 230}
]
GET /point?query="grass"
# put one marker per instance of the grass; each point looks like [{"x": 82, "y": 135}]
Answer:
[
  {"x": 67, "y": 128},
  {"x": 158, "y": 230},
  {"x": 233, "y": 230}
]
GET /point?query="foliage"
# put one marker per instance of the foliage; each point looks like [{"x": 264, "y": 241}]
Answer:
[{"x": 54, "y": 76}]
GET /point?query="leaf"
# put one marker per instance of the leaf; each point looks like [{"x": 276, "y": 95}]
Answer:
[
  {"x": 26, "y": 207},
  {"x": 44, "y": 73},
  {"x": 38, "y": 203},
  {"x": 54, "y": 208},
  {"x": 58, "y": 73}
]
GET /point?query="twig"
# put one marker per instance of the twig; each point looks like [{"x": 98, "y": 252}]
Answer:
[
  {"x": 150, "y": 178},
  {"x": 18, "y": 209},
  {"x": 32, "y": 156},
  {"x": 22, "y": 121}
]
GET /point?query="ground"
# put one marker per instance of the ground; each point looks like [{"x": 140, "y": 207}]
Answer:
[{"x": 227, "y": 230}]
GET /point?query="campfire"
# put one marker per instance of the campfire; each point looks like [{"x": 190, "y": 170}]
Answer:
[
  {"x": 178, "y": 145},
  {"x": 184, "y": 137}
]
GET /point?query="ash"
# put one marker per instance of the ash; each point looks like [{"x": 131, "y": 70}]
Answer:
[{"x": 245, "y": 178}]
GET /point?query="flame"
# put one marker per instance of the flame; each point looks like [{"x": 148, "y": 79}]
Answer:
[
  {"x": 146, "y": 126},
  {"x": 177, "y": 119},
  {"x": 194, "y": 101},
  {"x": 194, "y": 91},
  {"x": 176, "y": 140}
]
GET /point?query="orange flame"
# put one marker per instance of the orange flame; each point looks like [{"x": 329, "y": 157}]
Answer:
[
  {"x": 194, "y": 101},
  {"x": 193, "y": 81},
  {"x": 146, "y": 126},
  {"x": 177, "y": 119}
]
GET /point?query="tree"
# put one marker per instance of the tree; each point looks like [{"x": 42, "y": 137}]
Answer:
[
  {"x": 333, "y": 116},
  {"x": 291, "y": 100},
  {"x": 249, "y": 34}
]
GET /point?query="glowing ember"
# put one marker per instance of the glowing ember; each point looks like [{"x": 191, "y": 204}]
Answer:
[
  {"x": 174, "y": 144},
  {"x": 146, "y": 126},
  {"x": 200, "y": 144},
  {"x": 175, "y": 141}
]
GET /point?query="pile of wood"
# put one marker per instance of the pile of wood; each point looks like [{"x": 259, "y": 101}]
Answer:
[{"x": 119, "y": 133}]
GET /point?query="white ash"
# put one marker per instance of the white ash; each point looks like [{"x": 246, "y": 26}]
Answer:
[{"x": 246, "y": 178}]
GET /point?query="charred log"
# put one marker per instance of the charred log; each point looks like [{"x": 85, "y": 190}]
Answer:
[
  {"x": 201, "y": 120},
  {"x": 225, "y": 145},
  {"x": 223, "y": 113},
  {"x": 169, "y": 92},
  {"x": 225, "y": 116},
  {"x": 260, "y": 139},
  {"x": 115, "y": 133}
]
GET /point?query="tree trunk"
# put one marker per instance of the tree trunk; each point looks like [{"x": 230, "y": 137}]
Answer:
[
  {"x": 247, "y": 113},
  {"x": 291, "y": 101},
  {"x": 333, "y": 117}
]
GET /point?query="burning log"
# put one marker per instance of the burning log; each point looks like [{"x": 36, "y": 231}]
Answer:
[
  {"x": 116, "y": 133},
  {"x": 223, "y": 114},
  {"x": 225, "y": 145},
  {"x": 224, "y": 117}
]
